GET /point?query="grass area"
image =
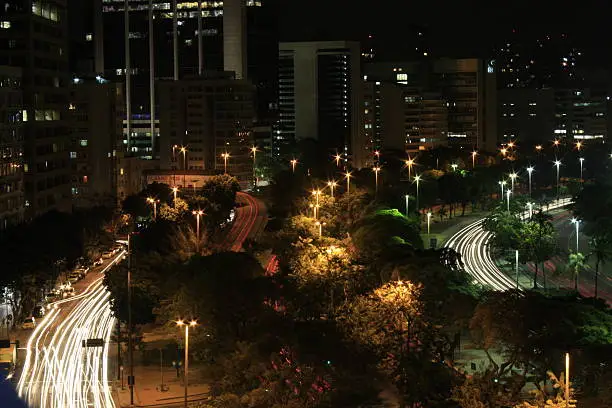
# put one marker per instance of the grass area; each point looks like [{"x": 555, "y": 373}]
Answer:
[{"x": 443, "y": 230}]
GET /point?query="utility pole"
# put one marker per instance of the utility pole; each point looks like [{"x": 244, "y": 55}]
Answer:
[{"x": 130, "y": 345}]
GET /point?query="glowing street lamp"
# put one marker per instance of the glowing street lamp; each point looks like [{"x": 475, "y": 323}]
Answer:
[
  {"x": 409, "y": 164},
  {"x": 474, "y": 154},
  {"x": 578, "y": 145},
  {"x": 529, "y": 171},
  {"x": 338, "y": 157},
  {"x": 556, "y": 143},
  {"x": 293, "y": 163},
  {"x": 530, "y": 207},
  {"x": 508, "y": 192},
  {"x": 558, "y": 164},
  {"x": 187, "y": 325},
  {"x": 428, "y": 221},
  {"x": 454, "y": 166},
  {"x": 417, "y": 180},
  {"x": 581, "y": 166},
  {"x": 332, "y": 184},
  {"x": 320, "y": 225},
  {"x": 510, "y": 145},
  {"x": 347, "y": 175},
  {"x": 538, "y": 148},
  {"x": 503, "y": 151},
  {"x": 316, "y": 193},
  {"x": 376, "y": 171},
  {"x": 198, "y": 214},
  {"x": 377, "y": 154},
  {"x": 254, "y": 150},
  {"x": 225, "y": 157},
  {"x": 174, "y": 191},
  {"x": 153, "y": 201},
  {"x": 502, "y": 184},
  {"x": 576, "y": 222},
  {"x": 184, "y": 151},
  {"x": 513, "y": 177},
  {"x": 407, "y": 203}
]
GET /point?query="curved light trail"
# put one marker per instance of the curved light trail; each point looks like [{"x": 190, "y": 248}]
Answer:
[
  {"x": 472, "y": 243},
  {"x": 58, "y": 371}
]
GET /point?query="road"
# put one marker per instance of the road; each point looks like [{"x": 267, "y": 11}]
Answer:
[
  {"x": 472, "y": 243},
  {"x": 249, "y": 221},
  {"x": 58, "y": 372}
]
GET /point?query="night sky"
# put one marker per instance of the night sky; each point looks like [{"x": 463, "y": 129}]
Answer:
[{"x": 456, "y": 28}]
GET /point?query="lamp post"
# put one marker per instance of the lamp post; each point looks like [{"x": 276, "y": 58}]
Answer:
[
  {"x": 316, "y": 193},
  {"x": 407, "y": 203},
  {"x": 474, "y": 154},
  {"x": 581, "y": 166},
  {"x": 513, "y": 177},
  {"x": 293, "y": 163},
  {"x": 153, "y": 201},
  {"x": 376, "y": 171},
  {"x": 332, "y": 184},
  {"x": 454, "y": 166},
  {"x": 502, "y": 184},
  {"x": 337, "y": 158},
  {"x": 516, "y": 259},
  {"x": 198, "y": 214},
  {"x": 184, "y": 151},
  {"x": 181, "y": 323},
  {"x": 530, "y": 207},
  {"x": 130, "y": 335},
  {"x": 558, "y": 164},
  {"x": 529, "y": 171},
  {"x": 567, "y": 379},
  {"x": 254, "y": 151},
  {"x": 409, "y": 164},
  {"x": 576, "y": 222},
  {"x": 320, "y": 225},
  {"x": 428, "y": 222},
  {"x": 347, "y": 175},
  {"x": 578, "y": 145},
  {"x": 508, "y": 192},
  {"x": 377, "y": 154},
  {"x": 174, "y": 192},
  {"x": 417, "y": 180},
  {"x": 225, "y": 157}
]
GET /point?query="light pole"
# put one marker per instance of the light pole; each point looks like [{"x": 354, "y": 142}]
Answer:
[
  {"x": 316, "y": 193},
  {"x": 174, "y": 191},
  {"x": 581, "y": 166},
  {"x": 130, "y": 335},
  {"x": 407, "y": 203},
  {"x": 576, "y": 222},
  {"x": 409, "y": 164},
  {"x": 293, "y": 163},
  {"x": 320, "y": 225},
  {"x": 558, "y": 164},
  {"x": 508, "y": 192},
  {"x": 502, "y": 184},
  {"x": 530, "y": 207},
  {"x": 225, "y": 157},
  {"x": 377, "y": 154},
  {"x": 428, "y": 222},
  {"x": 529, "y": 171},
  {"x": 376, "y": 171},
  {"x": 337, "y": 157},
  {"x": 198, "y": 214},
  {"x": 513, "y": 177},
  {"x": 516, "y": 256},
  {"x": 192, "y": 323},
  {"x": 454, "y": 167},
  {"x": 184, "y": 151},
  {"x": 474, "y": 154},
  {"x": 417, "y": 180},
  {"x": 567, "y": 379},
  {"x": 332, "y": 184},
  {"x": 153, "y": 201},
  {"x": 578, "y": 145},
  {"x": 254, "y": 151},
  {"x": 347, "y": 175}
]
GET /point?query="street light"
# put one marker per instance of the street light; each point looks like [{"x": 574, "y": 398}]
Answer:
[
  {"x": 347, "y": 175},
  {"x": 428, "y": 222},
  {"x": 181, "y": 323},
  {"x": 407, "y": 203},
  {"x": 454, "y": 166},
  {"x": 315, "y": 208},
  {"x": 409, "y": 164},
  {"x": 184, "y": 151},
  {"x": 474, "y": 154},
  {"x": 293, "y": 163},
  {"x": 153, "y": 201},
  {"x": 198, "y": 214},
  {"x": 254, "y": 150},
  {"x": 417, "y": 179},
  {"x": 332, "y": 184},
  {"x": 225, "y": 157},
  {"x": 502, "y": 185},
  {"x": 529, "y": 171},
  {"x": 320, "y": 225},
  {"x": 539, "y": 148},
  {"x": 503, "y": 151},
  {"x": 376, "y": 170},
  {"x": 578, "y": 145},
  {"x": 174, "y": 191},
  {"x": 337, "y": 157},
  {"x": 530, "y": 207},
  {"x": 508, "y": 192},
  {"x": 316, "y": 193},
  {"x": 377, "y": 154},
  {"x": 581, "y": 166},
  {"x": 511, "y": 144},
  {"x": 576, "y": 222},
  {"x": 513, "y": 177},
  {"x": 557, "y": 164}
]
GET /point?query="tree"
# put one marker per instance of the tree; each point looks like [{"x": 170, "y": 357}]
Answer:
[
  {"x": 601, "y": 249},
  {"x": 576, "y": 263},
  {"x": 176, "y": 212},
  {"x": 538, "y": 243}
]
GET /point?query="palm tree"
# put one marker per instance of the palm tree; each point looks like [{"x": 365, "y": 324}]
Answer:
[
  {"x": 601, "y": 249},
  {"x": 576, "y": 263}
]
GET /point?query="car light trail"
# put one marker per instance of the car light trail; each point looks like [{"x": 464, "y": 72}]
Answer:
[
  {"x": 472, "y": 243},
  {"x": 58, "y": 371}
]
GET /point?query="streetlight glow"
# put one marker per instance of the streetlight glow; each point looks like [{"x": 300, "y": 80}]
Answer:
[
  {"x": 332, "y": 184},
  {"x": 558, "y": 164},
  {"x": 409, "y": 164},
  {"x": 347, "y": 175},
  {"x": 417, "y": 179},
  {"x": 225, "y": 156},
  {"x": 513, "y": 177},
  {"x": 181, "y": 323},
  {"x": 376, "y": 171},
  {"x": 529, "y": 171},
  {"x": 474, "y": 154},
  {"x": 293, "y": 163},
  {"x": 581, "y": 167}
]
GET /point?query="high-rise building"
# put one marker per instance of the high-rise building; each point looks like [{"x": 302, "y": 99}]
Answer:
[
  {"x": 581, "y": 114},
  {"x": 426, "y": 120},
  {"x": 34, "y": 34},
  {"x": 526, "y": 115},
  {"x": 96, "y": 113},
  {"x": 320, "y": 96},
  {"x": 212, "y": 118},
  {"x": 11, "y": 147},
  {"x": 383, "y": 118}
]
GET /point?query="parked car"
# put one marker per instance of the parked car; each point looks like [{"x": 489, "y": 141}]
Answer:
[
  {"x": 29, "y": 323},
  {"x": 74, "y": 277},
  {"x": 68, "y": 292},
  {"x": 107, "y": 255},
  {"x": 51, "y": 297},
  {"x": 38, "y": 312},
  {"x": 99, "y": 261}
]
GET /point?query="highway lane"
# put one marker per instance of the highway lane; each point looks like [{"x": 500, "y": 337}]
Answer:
[
  {"x": 250, "y": 219},
  {"x": 58, "y": 372},
  {"x": 472, "y": 243}
]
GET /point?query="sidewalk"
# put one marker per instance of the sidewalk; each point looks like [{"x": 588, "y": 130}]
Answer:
[
  {"x": 447, "y": 228},
  {"x": 147, "y": 391}
]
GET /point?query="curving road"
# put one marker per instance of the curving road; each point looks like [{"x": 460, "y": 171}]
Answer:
[
  {"x": 472, "y": 243},
  {"x": 58, "y": 372},
  {"x": 249, "y": 221}
]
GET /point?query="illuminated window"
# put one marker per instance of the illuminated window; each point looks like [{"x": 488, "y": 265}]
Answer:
[
  {"x": 83, "y": 142},
  {"x": 88, "y": 37},
  {"x": 73, "y": 155},
  {"x": 402, "y": 77},
  {"x": 121, "y": 171},
  {"x": 5, "y": 24}
]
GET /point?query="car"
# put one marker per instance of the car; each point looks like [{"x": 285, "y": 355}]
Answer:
[
  {"x": 38, "y": 312},
  {"x": 68, "y": 292},
  {"x": 50, "y": 297},
  {"x": 99, "y": 261},
  {"x": 107, "y": 255},
  {"x": 74, "y": 277},
  {"x": 28, "y": 323}
]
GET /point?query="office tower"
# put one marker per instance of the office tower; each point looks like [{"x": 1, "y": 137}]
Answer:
[
  {"x": 383, "y": 111},
  {"x": 426, "y": 119},
  {"x": 210, "y": 117},
  {"x": 95, "y": 115},
  {"x": 11, "y": 147},
  {"x": 581, "y": 114},
  {"x": 35, "y": 34},
  {"x": 234, "y": 37},
  {"x": 526, "y": 115},
  {"x": 320, "y": 97}
]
